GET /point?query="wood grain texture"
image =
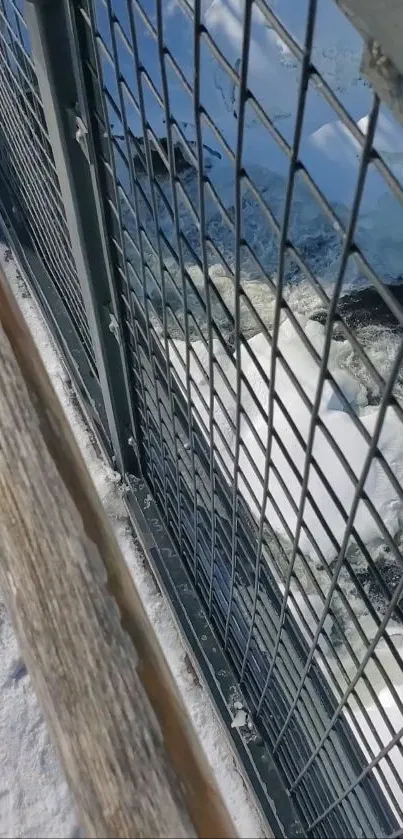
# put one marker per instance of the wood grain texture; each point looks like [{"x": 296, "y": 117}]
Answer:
[{"x": 130, "y": 755}]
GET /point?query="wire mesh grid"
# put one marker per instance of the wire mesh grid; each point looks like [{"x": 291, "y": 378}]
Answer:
[
  {"x": 268, "y": 423},
  {"x": 28, "y": 167}
]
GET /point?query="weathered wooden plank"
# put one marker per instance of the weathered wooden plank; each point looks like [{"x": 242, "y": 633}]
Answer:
[{"x": 127, "y": 746}]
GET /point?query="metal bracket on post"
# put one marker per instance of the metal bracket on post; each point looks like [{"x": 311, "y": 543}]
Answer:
[
  {"x": 114, "y": 328},
  {"x": 79, "y": 131},
  {"x": 380, "y": 22},
  {"x": 68, "y": 134},
  {"x": 386, "y": 80}
]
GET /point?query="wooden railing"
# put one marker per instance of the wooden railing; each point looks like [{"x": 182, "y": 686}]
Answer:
[{"x": 130, "y": 755}]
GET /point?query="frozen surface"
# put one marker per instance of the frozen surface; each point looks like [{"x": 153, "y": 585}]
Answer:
[
  {"x": 34, "y": 798},
  {"x": 334, "y": 416},
  {"x": 328, "y": 149},
  {"x": 345, "y": 400}
]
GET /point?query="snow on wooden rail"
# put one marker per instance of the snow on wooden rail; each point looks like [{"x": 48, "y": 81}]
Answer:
[{"x": 128, "y": 750}]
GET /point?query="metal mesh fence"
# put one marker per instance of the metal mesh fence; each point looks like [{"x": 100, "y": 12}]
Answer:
[
  {"x": 287, "y": 583},
  {"x": 28, "y": 168},
  {"x": 262, "y": 326}
]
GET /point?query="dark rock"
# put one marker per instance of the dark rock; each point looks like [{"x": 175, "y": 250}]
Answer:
[
  {"x": 182, "y": 164},
  {"x": 319, "y": 317},
  {"x": 364, "y": 307},
  {"x": 390, "y": 571}
]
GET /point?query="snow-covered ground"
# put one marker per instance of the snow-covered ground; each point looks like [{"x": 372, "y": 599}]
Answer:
[{"x": 34, "y": 798}]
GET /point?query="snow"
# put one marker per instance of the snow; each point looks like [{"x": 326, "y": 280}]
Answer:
[
  {"x": 328, "y": 149},
  {"x": 34, "y": 798},
  {"x": 340, "y": 424},
  {"x": 273, "y": 70},
  {"x": 256, "y": 356}
]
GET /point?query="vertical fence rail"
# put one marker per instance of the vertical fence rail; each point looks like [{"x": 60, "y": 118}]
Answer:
[{"x": 74, "y": 158}]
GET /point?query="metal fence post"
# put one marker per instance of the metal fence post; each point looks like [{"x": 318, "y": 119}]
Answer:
[{"x": 54, "y": 64}]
